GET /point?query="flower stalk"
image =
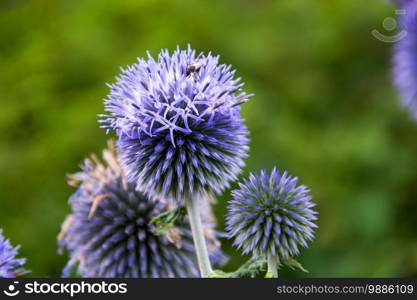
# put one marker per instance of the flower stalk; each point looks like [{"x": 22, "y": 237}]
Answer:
[
  {"x": 273, "y": 263},
  {"x": 198, "y": 237}
]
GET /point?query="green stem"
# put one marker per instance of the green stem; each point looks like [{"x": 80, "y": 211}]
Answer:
[
  {"x": 198, "y": 237},
  {"x": 273, "y": 263}
]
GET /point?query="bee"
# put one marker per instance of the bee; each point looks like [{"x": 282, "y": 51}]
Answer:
[{"x": 194, "y": 68}]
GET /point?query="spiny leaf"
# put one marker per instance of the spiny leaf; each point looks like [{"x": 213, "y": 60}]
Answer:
[
  {"x": 293, "y": 264},
  {"x": 249, "y": 269}
]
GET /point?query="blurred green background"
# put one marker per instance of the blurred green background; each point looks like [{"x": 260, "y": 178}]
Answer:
[{"x": 325, "y": 110}]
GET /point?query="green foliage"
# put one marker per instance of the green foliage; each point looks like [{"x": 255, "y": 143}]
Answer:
[
  {"x": 324, "y": 109},
  {"x": 167, "y": 219},
  {"x": 293, "y": 264},
  {"x": 250, "y": 269}
]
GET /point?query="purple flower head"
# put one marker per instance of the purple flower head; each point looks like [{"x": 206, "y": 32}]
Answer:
[
  {"x": 10, "y": 266},
  {"x": 271, "y": 215},
  {"x": 178, "y": 124},
  {"x": 109, "y": 234},
  {"x": 405, "y": 58}
]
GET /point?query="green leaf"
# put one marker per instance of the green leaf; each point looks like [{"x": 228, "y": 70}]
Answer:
[
  {"x": 293, "y": 264},
  {"x": 166, "y": 220},
  {"x": 250, "y": 269}
]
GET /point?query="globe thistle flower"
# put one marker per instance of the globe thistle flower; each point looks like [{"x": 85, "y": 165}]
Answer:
[
  {"x": 178, "y": 124},
  {"x": 271, "y": 216},
  {"x": 109, "y": 234},
  {"x": 10, "y": 266},
  {"x": 405, "y": 58}
]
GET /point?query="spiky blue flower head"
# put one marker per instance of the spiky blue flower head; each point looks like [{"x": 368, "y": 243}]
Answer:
[
  {"x": 405, "y": 57},
  {"x": 109, "y": 232},
  {"x": 10, "y": 266},
  {"x": 178, "y": 124},
  {"x": 271, "y": 215}
]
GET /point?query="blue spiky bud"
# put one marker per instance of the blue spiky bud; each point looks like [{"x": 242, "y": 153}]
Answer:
[{"x": 271, "y": 215}]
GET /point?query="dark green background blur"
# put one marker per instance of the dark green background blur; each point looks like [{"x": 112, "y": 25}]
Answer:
[{"x": 325, "y": 110}]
